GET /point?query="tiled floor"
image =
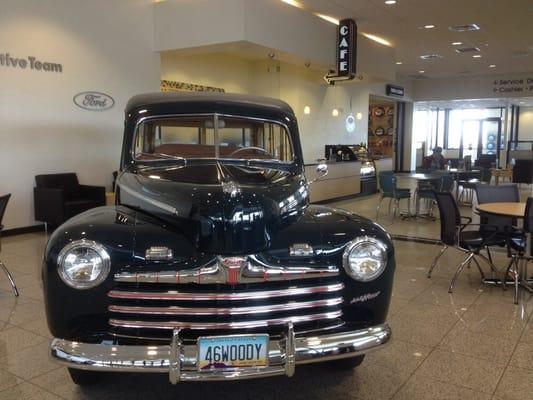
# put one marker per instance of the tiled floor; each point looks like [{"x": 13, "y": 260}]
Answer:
[{"x": 474, "y": 344}]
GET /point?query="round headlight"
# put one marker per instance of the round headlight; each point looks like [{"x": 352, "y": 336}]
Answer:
[
  {"x": 83, "y": 264},
  {"x": 365, "y": 258}
]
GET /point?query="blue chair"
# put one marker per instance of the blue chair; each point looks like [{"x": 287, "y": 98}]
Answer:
[
  {"x": 389, "y": 190},
  {"x": 447, "y": 182}
]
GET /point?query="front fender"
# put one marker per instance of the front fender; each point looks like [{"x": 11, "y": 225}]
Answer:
[{"x": 72, "y": 313}]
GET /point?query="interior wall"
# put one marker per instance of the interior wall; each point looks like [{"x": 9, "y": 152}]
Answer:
[
  {"x": 42, "y": 130},
  {"x": 525, "y": 124},
  {"x": 297, "y": 85}
]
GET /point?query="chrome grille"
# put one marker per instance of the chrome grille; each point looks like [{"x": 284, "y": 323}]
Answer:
[{"x": 151, "y": 310}]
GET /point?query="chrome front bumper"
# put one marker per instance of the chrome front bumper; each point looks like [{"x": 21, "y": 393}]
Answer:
[{"x": 180, "y": 360}]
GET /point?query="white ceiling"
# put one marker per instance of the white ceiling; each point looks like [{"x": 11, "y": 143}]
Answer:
[{"x": 506, "y": 31}]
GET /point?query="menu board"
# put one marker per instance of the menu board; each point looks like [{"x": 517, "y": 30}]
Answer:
[{"x": 381, "y": 129}]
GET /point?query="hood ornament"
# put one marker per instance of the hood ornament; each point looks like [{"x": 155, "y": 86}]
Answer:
[{"x": 232, "y": 267}]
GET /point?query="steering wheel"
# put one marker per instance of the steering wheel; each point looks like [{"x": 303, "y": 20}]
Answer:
[{"x": 257, "y": 149}]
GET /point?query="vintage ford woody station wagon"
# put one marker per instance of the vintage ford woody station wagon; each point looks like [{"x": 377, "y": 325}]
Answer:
[{"x": 213, "y": 265}]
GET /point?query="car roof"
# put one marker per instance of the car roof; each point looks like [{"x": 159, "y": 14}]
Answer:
[{"x": 230, "y": 99}]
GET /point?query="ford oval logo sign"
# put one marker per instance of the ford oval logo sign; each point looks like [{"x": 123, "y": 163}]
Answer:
[{"x": 93, "y": 101}]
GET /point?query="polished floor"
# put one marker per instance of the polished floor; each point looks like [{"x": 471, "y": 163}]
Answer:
[{"x": 473, "y": 344}]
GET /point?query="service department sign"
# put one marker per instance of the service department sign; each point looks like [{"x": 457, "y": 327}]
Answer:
[{"x": 93, "y": 101}]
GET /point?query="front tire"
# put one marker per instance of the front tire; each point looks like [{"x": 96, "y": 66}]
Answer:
[
  {"x": 84, "y": 378},
  {"x": 346, "y": 364}
]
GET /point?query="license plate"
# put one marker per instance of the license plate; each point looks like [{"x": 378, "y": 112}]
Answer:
[{"x": 228, "y": 352}]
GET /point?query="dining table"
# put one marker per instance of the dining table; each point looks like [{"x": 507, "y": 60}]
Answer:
[
  {"x": 420, "y": 177},
  {"x": 508, "y": 209}
]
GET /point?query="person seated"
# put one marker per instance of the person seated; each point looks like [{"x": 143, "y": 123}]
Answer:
[{"x": 437, "y": 159}]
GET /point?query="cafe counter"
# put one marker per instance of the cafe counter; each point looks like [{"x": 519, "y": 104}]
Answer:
[{"x": 346, "y": 178}]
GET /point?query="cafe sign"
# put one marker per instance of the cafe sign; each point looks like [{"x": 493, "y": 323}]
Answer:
[
  {"x": 93, "y": 101},
  {"x": 347, "y": 48}
]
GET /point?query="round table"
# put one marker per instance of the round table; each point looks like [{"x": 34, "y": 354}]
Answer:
[
  {"x": 515, "y": 210},
  {"x": 421, "y": 177}
]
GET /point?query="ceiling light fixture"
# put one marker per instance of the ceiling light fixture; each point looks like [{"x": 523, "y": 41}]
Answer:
[
  {"x": 307, "y": 110},
  {"x": 457, "y": 43},
  {"x": 293, "y": 3},
  {"x": 464, "y": 28},
  {"x": 390, "y": 2},
  {"x": 476, "y": 56},
  {"x": 421, "y": 71},
  {"x": 430, "y": 56},
  {"x": 429, "y": 26},
  {"x": 335, "y": 112},
  {"x": 328, "y": 18},
  {"x": 492, "y": 66},
  {"x": 377, "y": 39},
  {"x": 399, "y": 63}
]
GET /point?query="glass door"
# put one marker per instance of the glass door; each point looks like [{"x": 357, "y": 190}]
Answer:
[
  {"x": 480, "y": 137},
  {"x": 470, "y": 139},
  {"x": 490, "y": 135}
]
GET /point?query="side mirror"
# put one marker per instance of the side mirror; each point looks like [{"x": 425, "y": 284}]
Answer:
[{"x": 322, "y": 171}]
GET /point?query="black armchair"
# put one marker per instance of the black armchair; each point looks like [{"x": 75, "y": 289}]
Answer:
[
  {"x": 59, "y": 197},
  {"x": 453, "y": 234}
]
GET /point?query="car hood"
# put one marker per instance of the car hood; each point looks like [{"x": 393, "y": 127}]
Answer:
[{"x": 221, "y": 208}]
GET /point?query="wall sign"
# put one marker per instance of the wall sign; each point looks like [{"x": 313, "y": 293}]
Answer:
[
  {"x": 347, "y": 48},
  {"x": 393, "y": 90},
  {"x": 93, "y": 101},
  {"x": 172, "y": 86},
  {"x": 29, "y": 62},
  {"x": 513, "y": 86}
]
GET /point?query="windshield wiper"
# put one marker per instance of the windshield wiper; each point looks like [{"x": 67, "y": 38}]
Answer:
[{"x": 162, "y": 155}]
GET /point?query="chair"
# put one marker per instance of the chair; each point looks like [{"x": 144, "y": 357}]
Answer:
[
  {"x": 523, "y": 171},
  {"x": 453, "y": 234},
  {"x": 447, "y": 183},
  {"x": 497, "y": 194},
  {"x": 59, "y": 197},
  {"x": 425, "y": 191},
  {"x": 469, "y": 182},
  {"x": 388, "y": 189},
  {"x": 517, "y": 249},
  {"x": 3, "y": 205},
  {"x": 486, "y": 161}
]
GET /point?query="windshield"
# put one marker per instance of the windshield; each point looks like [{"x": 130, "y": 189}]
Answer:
[{"x": 212, "y": 137}]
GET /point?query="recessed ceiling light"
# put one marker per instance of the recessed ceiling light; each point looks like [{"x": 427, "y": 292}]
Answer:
[
  {"x": 421, "y": 71},
  {"x": 429, "y": 26},
  {"x": 430, "y": 56},
  {"x": 390, "y": 2},
  {"x": 492, "y": 66},
  {"x": 476, "y": 56},
  {"x": 399, "y": 63},
  {"x": 457, "y": 43},
  {"x": 377, "y": 39},
  {"x": 464, "y": 28}
]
